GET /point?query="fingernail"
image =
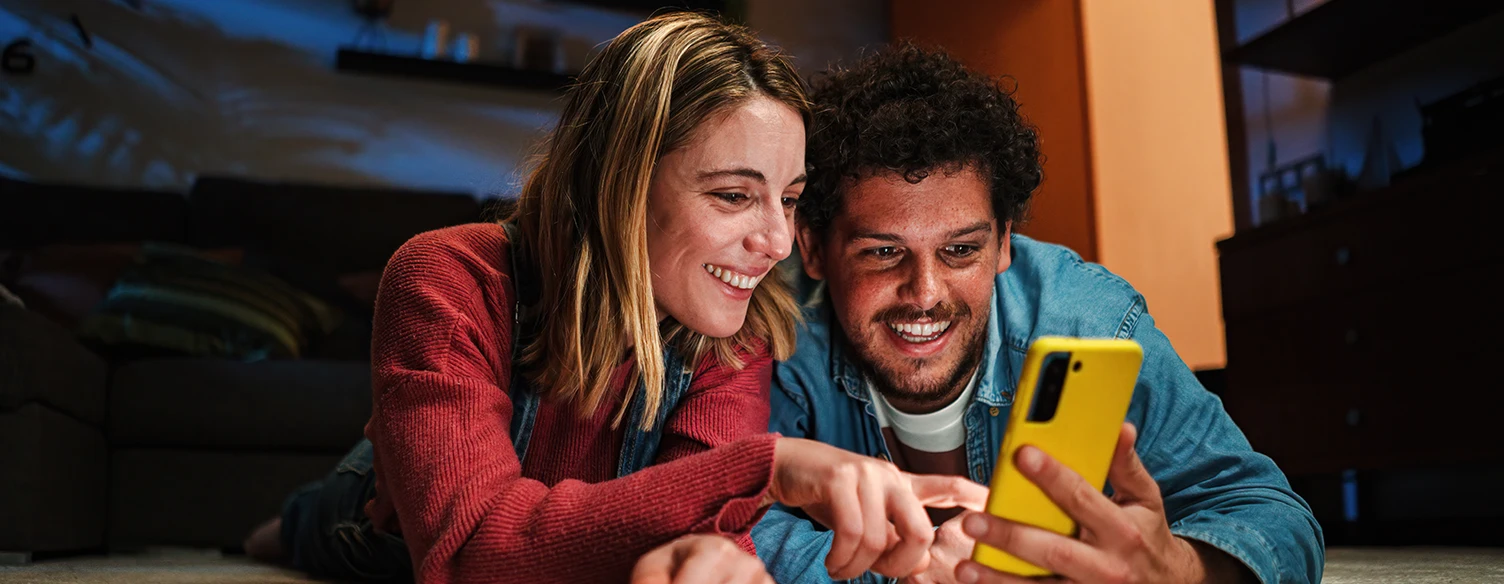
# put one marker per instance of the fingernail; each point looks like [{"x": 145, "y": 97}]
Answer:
[
  {"x": 967, "y": 573},
  {"x": 975, "y": 525},
  {"x": 1030, "y": 459}
]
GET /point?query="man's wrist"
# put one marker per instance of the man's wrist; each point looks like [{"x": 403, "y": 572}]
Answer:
[{"x": 1214, "y": 566}]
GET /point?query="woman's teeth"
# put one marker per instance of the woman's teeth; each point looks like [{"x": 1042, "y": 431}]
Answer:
[
  {"x": 742, "y": 281},
  {"x": 920, "y": 332}
]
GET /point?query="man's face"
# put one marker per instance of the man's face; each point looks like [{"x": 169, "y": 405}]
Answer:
[{"x": 910, "y": 270}]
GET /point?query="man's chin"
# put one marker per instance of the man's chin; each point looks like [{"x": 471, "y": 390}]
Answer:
[{"x": 915, "y": 385}]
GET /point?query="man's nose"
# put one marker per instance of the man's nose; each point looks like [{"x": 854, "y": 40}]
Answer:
[{"x": 923, "y": 288}]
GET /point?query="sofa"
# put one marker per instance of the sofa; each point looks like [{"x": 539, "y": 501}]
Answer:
[{"x": 108, "y": 449}]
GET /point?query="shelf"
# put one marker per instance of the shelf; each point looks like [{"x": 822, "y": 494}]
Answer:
[
  {"x": 1340, "y": 37},
  {"x": 473, "y": 73}
]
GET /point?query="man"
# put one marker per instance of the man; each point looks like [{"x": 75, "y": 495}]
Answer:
[{"x": 913, "y": 346}]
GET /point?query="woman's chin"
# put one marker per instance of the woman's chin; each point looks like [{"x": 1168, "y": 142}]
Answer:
[{"x": 717, "y": 328}]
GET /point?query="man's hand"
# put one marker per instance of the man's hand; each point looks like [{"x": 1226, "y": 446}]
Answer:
[
  {"x": 951, "y": 546},
  {"x": 700, "y": 559},
  {"x": 1123, "y": 539},
  {"x": 875, "y": 511}
]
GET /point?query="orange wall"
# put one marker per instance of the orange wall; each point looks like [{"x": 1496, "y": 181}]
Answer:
[
  {"x": 1038, "y": 43},
  {"x": 1159, "y": 161}
]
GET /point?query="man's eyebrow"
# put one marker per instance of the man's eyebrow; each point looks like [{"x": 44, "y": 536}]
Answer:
[
  {"x": 888, "y": 237},
  {"x": 895, "y": 238},
  {"x": 970, "y": 229},
  {"x": 742, "y": 172}
]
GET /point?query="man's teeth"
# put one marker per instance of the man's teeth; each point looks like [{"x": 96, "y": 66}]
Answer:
[
  {"x": 920, "y": 332},
  {"x": 742, "y": 281}
]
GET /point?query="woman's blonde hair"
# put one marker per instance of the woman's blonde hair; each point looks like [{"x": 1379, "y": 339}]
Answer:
[{"x": 582, "y": 215}]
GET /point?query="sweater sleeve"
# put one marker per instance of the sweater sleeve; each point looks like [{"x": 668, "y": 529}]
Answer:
[
  {"x": 723, "y": 405},
  {"x": 441, "y": 352}
]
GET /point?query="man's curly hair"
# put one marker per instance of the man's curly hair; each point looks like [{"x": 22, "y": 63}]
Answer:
[{"x": 913, "y": 111}]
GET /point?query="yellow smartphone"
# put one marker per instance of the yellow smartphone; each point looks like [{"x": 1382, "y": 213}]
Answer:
[{"x": 1072, "y": 399}]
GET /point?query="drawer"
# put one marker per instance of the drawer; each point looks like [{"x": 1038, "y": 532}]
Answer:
[
  {"x": 1392, "y": 379},
  {"x": 1318, "y": 342},
  {"x": 1373, "y": 336},
  {"x": 1445, "y": 226},
  {"x": 1305, "y": 427}
]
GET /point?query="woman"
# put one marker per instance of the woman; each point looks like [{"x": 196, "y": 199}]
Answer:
[{"x": 558, "y": 396}]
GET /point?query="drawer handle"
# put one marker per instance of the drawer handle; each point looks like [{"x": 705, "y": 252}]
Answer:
[{"x": 1344, "y": 256}]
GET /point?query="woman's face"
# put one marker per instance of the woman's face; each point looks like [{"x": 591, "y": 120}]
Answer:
[{"x": 721, "y": 211}]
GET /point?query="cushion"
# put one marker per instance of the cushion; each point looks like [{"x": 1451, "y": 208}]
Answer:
[
  {"x": 309, "y": 406},
  {"x": 66, "y": 281},
  {"x": 40, "y": 362},
  {"x": 177, "y": 301}
]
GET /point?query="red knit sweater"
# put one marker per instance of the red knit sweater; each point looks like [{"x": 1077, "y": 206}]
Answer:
[{"x": 448, "y": 479}]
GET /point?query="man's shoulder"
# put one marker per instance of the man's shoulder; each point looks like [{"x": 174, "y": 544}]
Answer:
[
  {"x": 1050, "y": 290},
  {"x": 810, "y": 365},
  {"x": 813, "y": 336}
]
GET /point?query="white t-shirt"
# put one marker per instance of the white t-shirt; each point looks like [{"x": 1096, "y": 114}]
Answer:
[{"x": 942, "y": 430}]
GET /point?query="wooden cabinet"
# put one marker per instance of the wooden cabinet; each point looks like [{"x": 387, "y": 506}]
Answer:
[{"x": 1367, "y": 335}]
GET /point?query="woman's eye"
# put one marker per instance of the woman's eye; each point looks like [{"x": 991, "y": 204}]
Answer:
[
  {"x": 731, "y": 197},
  {"x": 790, "y": 202}
]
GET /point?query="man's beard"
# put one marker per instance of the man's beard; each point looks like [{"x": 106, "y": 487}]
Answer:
[{"x": 897, "y": 377}]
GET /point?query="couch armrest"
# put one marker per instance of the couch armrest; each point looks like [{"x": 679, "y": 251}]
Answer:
[{"x": 41, "y": 361}]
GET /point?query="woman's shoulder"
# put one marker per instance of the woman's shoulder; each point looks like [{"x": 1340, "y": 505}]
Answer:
[
  {"x": 459, "y": 261},
  {"x": 472, "y": 247},
  {"x": 752, "y": 356}
]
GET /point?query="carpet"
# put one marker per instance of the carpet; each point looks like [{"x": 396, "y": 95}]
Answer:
[{"x": 1344, "y": 566}]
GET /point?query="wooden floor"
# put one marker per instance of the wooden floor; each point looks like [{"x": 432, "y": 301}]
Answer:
[{"x": 1344, "y": 566}]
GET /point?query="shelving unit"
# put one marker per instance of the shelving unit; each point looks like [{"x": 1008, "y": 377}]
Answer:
[
  {"x": 1316, "y": 375},
  {"x": 357, "y": 61},
  {"x": 1340, "y": 37}
]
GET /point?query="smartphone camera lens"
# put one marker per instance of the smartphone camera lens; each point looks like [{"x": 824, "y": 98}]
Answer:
[{"x": 1051, "y": 385}]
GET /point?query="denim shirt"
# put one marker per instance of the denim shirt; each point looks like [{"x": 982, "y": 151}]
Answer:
[{"x": 1216, "y": 488}]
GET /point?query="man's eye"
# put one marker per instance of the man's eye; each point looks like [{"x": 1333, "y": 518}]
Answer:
[
  {"x": 962, "y": 250},
  {"x": 731, "y": 197},
  {"x": 790, "y": 202},
  {"x": 883, "y": 252}
]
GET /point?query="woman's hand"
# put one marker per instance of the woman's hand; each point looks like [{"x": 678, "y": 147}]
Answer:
[
  {"x": 700, "y": 559},
  {"x": 875, "y": 510}
]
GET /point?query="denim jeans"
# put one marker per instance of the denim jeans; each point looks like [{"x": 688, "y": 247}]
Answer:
[{"x": 324, "y": 526}]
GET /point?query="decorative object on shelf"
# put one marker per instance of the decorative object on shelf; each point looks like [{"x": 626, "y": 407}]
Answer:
[
  {"x": 1291, "y": 189},
  {"x": 465, "y": 47},
  {"x": 374, "y": 12},
  {"x": 1380, "y": 160},
  {"x": 435, "y": 39}
]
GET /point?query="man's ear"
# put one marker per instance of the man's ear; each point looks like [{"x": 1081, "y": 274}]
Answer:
[
  {"x": 1005, "y": 247},
  {"x": 811, "y": 248}
]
